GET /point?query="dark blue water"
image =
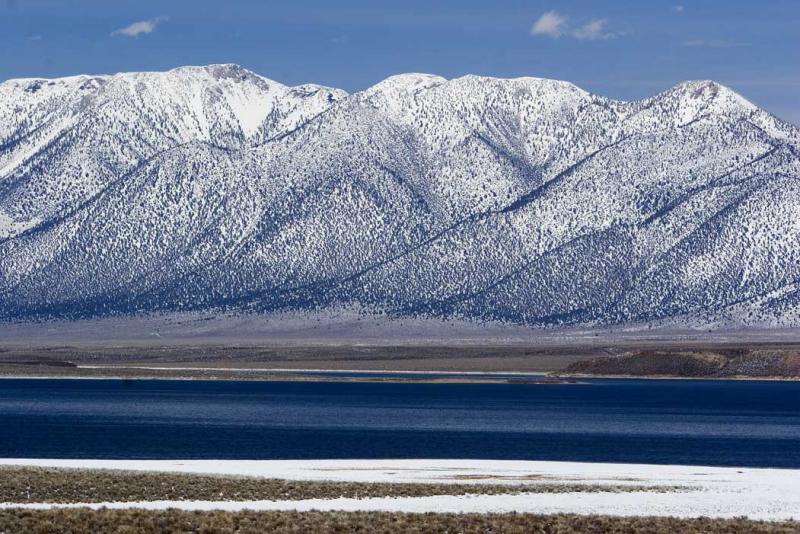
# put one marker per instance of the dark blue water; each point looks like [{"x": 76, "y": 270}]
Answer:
[{"x": 650, "y": 421}]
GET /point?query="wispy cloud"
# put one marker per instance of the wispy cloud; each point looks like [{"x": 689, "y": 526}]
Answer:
[
  {"x": 680, "y": 8},
  {"x": 554, "y": 25},
  {"x": 139, "y": 27},
  {"x": 714, "y": 43},
  {"x": 550, "y": 24},
  {"x": 593, "y": 30}
]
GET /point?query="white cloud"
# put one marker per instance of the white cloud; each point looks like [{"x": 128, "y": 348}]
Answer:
[
  {"x": 593, "y": 30},
  {"x": 550, "y": 24},
  {"x": 139, "y": 27},
  {"x": 679, "y": 8},
  {"x": 553, "y": 24}
]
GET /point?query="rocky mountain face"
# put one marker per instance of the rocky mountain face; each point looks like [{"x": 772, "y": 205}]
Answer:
[{"x": 528, "y": 200}]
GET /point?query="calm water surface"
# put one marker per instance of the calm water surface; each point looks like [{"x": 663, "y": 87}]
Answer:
[{"x": 706, "y": 422}]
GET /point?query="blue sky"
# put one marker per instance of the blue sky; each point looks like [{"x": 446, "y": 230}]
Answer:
[{"x": 620, "y": 48}]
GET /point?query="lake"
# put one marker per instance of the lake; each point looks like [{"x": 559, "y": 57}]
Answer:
[{"x": 703, "y": 422}]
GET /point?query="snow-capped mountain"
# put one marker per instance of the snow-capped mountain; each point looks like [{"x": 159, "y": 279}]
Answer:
[{"x": 524, "y": 200}]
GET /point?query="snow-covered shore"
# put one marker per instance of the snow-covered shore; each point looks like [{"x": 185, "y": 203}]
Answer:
[{"x": 770, "y": 494}]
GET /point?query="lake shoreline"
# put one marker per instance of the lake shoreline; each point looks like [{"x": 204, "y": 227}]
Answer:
[
  {"x": 299, "y": 375},
  {"x": 547, "y": 361},
  {"x": 341, "y": 375}
]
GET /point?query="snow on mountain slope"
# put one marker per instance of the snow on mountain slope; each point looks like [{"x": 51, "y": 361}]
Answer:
[
  {"x": 524, "y": 200},
  {"x": 61, "y": 148}
]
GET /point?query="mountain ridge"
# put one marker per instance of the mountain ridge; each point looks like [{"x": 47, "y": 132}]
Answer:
[{"x": 524, "y": 200}]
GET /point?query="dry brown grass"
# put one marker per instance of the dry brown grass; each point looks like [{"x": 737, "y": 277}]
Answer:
[
  {"x": 173, "y": 521},
  {"x": 46, "y": 485}
]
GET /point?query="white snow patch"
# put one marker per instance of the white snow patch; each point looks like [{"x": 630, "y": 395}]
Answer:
[{"x": 768, "y": 494}]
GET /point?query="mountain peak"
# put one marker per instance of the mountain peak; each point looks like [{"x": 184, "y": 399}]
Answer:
[
  {"x": 408, "y": 83},
  {"x": 525, "y": 80},
  {"x": 709, "y": 94},
  {"x": 221, "y": 71}
]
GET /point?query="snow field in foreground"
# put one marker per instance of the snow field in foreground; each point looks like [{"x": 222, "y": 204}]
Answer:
[{"x": 768, "y": 494}]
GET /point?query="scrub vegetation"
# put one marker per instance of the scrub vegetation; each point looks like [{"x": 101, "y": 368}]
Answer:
[
  {"x": 132, "y": 521},
  {"x": 52, "y": 485},
  {"x": 713, "y": 363}
]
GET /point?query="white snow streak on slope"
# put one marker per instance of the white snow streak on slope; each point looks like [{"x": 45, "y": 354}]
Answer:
[
  {"x": 31, "y": 149},
  {"x": 9, "y": 227},
  {"x": 771, "y": 494}
]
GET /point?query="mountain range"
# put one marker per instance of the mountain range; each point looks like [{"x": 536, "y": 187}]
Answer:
[{"x": 527, "y": 201}]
